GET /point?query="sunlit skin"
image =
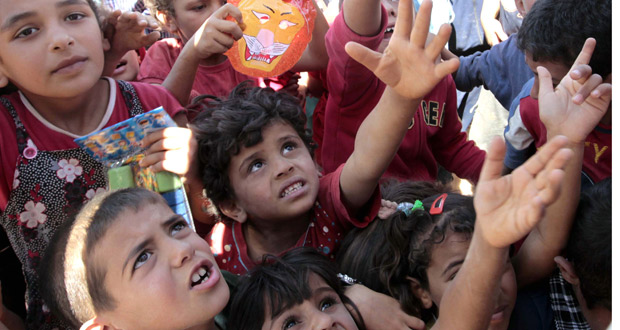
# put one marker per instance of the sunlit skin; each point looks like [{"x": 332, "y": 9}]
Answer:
[
  {"x": 150, "y": 257},
  {"x": 446, "y": 260},
  {"x": 557, "y": 70},
  {"x": 53, "y": 51},
  {"x": 324, "y": 310}
]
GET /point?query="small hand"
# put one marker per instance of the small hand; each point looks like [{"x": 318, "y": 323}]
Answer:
[
  {"x": 171, "y": 149},
  {"x": 578, "y": 103},
  {"x": 407, "y": 65},
  {"x": 126, "y": 31},
  {"x": 217, "y": 34},
  {"x": 508, "y": 207},
  {"x": 494, "y": 32}
]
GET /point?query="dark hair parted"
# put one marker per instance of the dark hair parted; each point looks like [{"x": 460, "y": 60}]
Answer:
[
  {"x": 79, "y": 291},
  {"x": 388, "y": 251},
  {"x": 555, "y": 30},
  {"x": 223, "y": 127},
  {"x": 589, "y": 245},
  {"x": 279, "y": 284}
]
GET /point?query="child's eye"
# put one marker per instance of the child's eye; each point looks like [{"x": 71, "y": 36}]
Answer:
[
  {"x": 75, "y": 16},
  {"x": 289, "y": 323},
  {"x": 142, "y": 259},
  {"x": 288, "y": 147},
  {"x": 255, "y": 166},
  {"x": 25, "y": 32},
  {"x": 178, "y": 226},
  {"x": 199, "y": 8},
  {"x": 327, "y": 303}
]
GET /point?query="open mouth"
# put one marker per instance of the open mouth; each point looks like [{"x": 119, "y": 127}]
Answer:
[
  {"x": 121, "y": 64},
  {"x": 200, "y": 276},
  {"x": 291, "y": 189},
  {"x": 389, "y": 30}
]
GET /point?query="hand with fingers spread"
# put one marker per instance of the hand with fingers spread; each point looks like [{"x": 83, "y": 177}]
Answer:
[
  {"x": 171, "y": 149},
  {"x": 407, "y": 65},
  {"x": 578, "y": 103},
  {"x": 217, "y": 34},
  {"x": 508, "y": 207}
]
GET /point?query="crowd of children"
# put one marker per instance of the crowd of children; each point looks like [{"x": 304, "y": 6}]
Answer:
[{"x": 342, "y": 226}]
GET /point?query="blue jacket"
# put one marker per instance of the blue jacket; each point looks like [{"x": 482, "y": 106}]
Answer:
[{"x": 501, "y": 69}]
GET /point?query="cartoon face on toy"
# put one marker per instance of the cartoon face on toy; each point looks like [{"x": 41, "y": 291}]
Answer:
[{"x": 275, "y": 35}]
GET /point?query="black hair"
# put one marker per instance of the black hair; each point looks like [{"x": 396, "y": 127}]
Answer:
[
  {"x": 589, "y": 245},
  {"x": 223, "y": 127},
  {"x": 279, "y": 284},
  {"x": 384, "y": 253},
  {"x": 75, "y": 290},
  {"x": 555, "y": 31}
]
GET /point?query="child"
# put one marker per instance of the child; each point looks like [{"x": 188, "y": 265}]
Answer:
[
  {"x": 257, "y": 167},
  {"x": 127, "y": 259},
  {"x": 53, "y": 51},
  {"x": 428, "y": 247},
  {"x": 434, "y": 135},
  {"x": 499, "y": 198},
  {"x": 556, "y": 50},
  {"x": 299, "y": 290},
  {"x": 581, "y": 297},
  {"x": 194, "y": 63}
]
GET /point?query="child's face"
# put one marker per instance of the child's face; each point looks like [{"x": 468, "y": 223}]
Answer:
[
  {"x": 324, "y": 310},
  {"x": 557, "y": 70},
  {"x": 392, "y": 9},
  {"x": 128, "y": 67},
  {"x": 161, "y": 274},
  {"x": 189, "y": 15},
  {"x": 275, "y": 179},
  {"x": 446, "y": 260},
  {"x": 50, "y": 48}
]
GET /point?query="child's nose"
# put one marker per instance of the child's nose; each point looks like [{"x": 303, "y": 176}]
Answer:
[
  {"x": 180, "y": 252},
  {"x": 61, "y": 41},
  {"x": 323, "y": 321},
  {"x": 284, "y": 167}
]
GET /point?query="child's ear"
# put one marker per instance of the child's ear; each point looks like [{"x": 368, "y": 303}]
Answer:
[
  {"x": 233, "y": 211},
  {"x": 422, "y": 294},
  {"x": 567, "y": 269},
  {"x": 96, "y": 324},
  {"x": 169, "y": 23},
  {"x": 520, "y": 7}
]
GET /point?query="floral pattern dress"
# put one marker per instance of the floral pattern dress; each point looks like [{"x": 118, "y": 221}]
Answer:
[{"x": 48, "y": 187}]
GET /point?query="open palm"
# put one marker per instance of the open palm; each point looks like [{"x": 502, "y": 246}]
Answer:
[
  {"x": 509, "y": 207},
  {"x": 407, "y": 65}
]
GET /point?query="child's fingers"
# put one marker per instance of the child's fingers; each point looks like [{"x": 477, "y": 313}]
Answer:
[
  {"x": 586, "y": 53},
  {"x": 437, "y": 45},
  {"x": 421, "y": 24},
  {"x": 404, "y": 21},
  {"x": 494, "y": 161},
  {"x": 363, "y": 55},
  {"x": 537, "y": 163},
  {"x": 603, "y": 90},
  {"x": 228, "y": 27},
  {"x": 180, "y": 133},
  {"x": 588, "y": 87},
  {"x": 446, "y": 67},
  {"x": 533, "y": 214},
  {"x": 229, "y": 10},
  {"x": 545, "y": 83},
  {"x": 551, "y": 191},
  {"x": 580, "y": 72}
]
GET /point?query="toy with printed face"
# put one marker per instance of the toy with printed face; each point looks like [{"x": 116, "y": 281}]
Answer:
[{"x": 275, "y": 35}]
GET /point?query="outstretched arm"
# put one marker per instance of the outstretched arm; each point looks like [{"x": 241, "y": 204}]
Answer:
[
  {"x": 507, "y": 208},
  {"x": 409, "y": 69},
  {"x": 315, "y": 56},
  {"x": 573, "y": 109}
]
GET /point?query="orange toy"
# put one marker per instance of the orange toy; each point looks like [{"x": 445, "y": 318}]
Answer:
[{"x": 275, "y": 34}]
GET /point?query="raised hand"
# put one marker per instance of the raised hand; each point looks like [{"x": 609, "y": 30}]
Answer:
[
  {"x": 407, "y": 65},
  {"x": 126, "y": 31},
  {"x": 578, "y": 103},
  {"x": 508, "y": 207},
  {"x": 171, "y": 149},
  {"x": 217, "y": 35}
]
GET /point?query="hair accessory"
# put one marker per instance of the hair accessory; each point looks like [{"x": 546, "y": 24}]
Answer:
[
  {"x": 437, "y": 206},
  {"x": 409, "y": 208}
]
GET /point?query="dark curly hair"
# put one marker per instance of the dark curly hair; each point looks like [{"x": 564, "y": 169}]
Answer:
[
  {"x": 386, "y": 252},
  {"x": 223, "y": 127},
  {"x": 555, "y": 30},
  {"x": 279, "y": 284}
]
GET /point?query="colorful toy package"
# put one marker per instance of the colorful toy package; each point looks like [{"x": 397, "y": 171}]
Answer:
[
  {"x": 275, "y": 34},
  {"x": 118, "y": 148}
]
